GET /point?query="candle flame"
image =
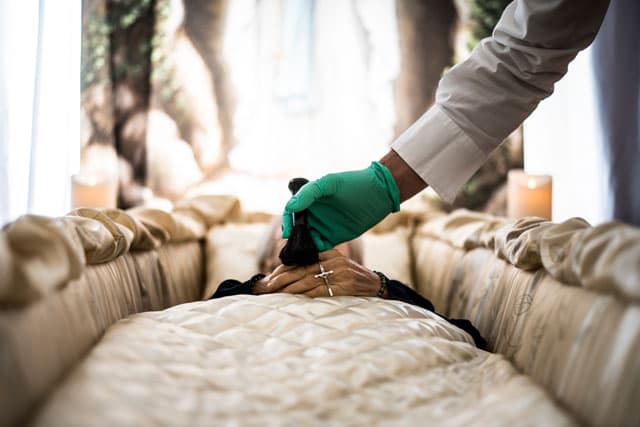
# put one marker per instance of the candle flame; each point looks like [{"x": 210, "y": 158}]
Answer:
[
  {"x": 92, "y": 180},
  {"x": 531, "y": 183}
]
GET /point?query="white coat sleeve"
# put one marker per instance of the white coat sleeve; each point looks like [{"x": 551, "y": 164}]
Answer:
[{"x": 480, "y": 101}]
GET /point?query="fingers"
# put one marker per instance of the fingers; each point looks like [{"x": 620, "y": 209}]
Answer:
[
  {"x": 329, "y": 254},
  {"x": 284, "y": 276},
  {"x": 287, "y": 225},
  {"x": 319, "y": 291},
  {"x": 306, "y": 196},
  {"x": 304, "y": 277},
  {"x": 346, "y": 278},
  {"x": 308, "y": 193},
  {"x": 308, "y": 282},
  {"x": 303, "y": 285},
  {"x": 312, "y": 191},
  {"x": 260, "y": 287}
]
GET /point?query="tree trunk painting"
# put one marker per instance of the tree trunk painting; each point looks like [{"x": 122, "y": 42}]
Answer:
[
  {"x": 204, "y": 25},
  {"x": 426, "y": 36},
  {"x": 154, "y": 91}
]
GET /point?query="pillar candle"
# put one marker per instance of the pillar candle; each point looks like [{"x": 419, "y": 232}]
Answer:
[
  {"x": 89, "y": 191},
  {"x": 528, "y": 195}
]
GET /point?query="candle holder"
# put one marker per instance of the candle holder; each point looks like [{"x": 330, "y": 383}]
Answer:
[
  {"x": 528, "y": 195},
  {"x": 92, "y": 191}
]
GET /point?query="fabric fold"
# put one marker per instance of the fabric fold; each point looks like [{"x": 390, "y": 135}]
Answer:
[
  {"x": 213, "y": 209},
  {"x": 605, "y": 258},
  {"x": 464, "y": 229},
  {"x": 142, "y": 240},
  {"x": 39, "y": 254},
  {"x": 102, "y": 238},
  {"x": 517, "y": 242}
]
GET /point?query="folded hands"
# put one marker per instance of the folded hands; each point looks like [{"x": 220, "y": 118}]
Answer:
[{"x": 346, "y": 278}]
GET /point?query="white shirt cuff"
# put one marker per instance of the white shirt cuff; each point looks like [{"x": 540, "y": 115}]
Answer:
[{"x": 440, "y": 152}]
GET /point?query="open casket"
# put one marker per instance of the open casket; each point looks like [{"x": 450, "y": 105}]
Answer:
[{"x": 106, "y": 322}]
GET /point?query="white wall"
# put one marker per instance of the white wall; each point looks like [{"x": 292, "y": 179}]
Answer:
[{"x": 561, "y": 139}]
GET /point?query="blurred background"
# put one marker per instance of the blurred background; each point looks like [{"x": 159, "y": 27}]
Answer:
[{"x": 157, "y": 100}]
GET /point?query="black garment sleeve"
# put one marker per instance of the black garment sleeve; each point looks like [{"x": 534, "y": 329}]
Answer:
[
  {"x": 468, "y": 327},
  {"x": 401, "y": 292},
  {"x": 236, "y": 287}
]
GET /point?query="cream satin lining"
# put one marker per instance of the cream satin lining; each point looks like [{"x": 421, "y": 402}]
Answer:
[
  {"x": 40, "y": 254},
  {"x": 604, "y": 258}
]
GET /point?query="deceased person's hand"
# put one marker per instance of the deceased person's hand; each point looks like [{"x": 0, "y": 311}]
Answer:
[
  {"x": 344, "y": 276},
  {"x": 337, "y": 274}
]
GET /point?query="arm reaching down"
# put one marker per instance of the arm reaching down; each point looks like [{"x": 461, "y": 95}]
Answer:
[{"x": 480, "y": 101}]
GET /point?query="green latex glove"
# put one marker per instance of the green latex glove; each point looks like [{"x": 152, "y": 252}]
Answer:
[{"x": 344, "y": 205}]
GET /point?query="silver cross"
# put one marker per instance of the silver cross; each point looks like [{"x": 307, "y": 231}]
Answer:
[{"x": 324, "y": 275}]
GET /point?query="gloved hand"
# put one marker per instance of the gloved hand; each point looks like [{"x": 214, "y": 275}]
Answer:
[{"x": 344, "y": 205}]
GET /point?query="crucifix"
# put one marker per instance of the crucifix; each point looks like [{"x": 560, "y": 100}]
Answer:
[{"x": 324, "y": 275}]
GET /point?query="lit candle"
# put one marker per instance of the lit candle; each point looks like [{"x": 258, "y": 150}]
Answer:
[
  {"x": 88, "y": 191},
  {"x": 528, "y": 195}
]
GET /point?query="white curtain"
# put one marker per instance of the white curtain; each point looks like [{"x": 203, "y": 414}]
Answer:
[
  {"x": 4, "y": 120},
  {"x": 562, "y": 139},
  {"x": 586, "y": 135},
  {"x": 39, "y": 105}
]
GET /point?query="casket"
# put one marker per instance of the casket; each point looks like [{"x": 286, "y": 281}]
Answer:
[{"x": 106, "y": 320}]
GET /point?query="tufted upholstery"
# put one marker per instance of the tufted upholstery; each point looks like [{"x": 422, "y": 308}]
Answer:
[
  {"x": 579, "y": 338},
  {"x": 42, "y": 341},
  {"x": 64, "y": 281},
  {"x": 291, "y": 360}
]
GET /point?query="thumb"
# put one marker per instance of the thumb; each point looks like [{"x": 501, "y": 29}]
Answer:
[
  {"x": 287, "y": 225},
  {"x": 308, "y": 193}
]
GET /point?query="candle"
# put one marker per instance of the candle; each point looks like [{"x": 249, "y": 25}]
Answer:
[
  {"x": 89, "y": 191},
  {"x": 528, "y": 195}
]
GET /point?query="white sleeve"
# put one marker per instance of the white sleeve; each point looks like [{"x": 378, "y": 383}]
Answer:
[{"x": 480, "y": 101}]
